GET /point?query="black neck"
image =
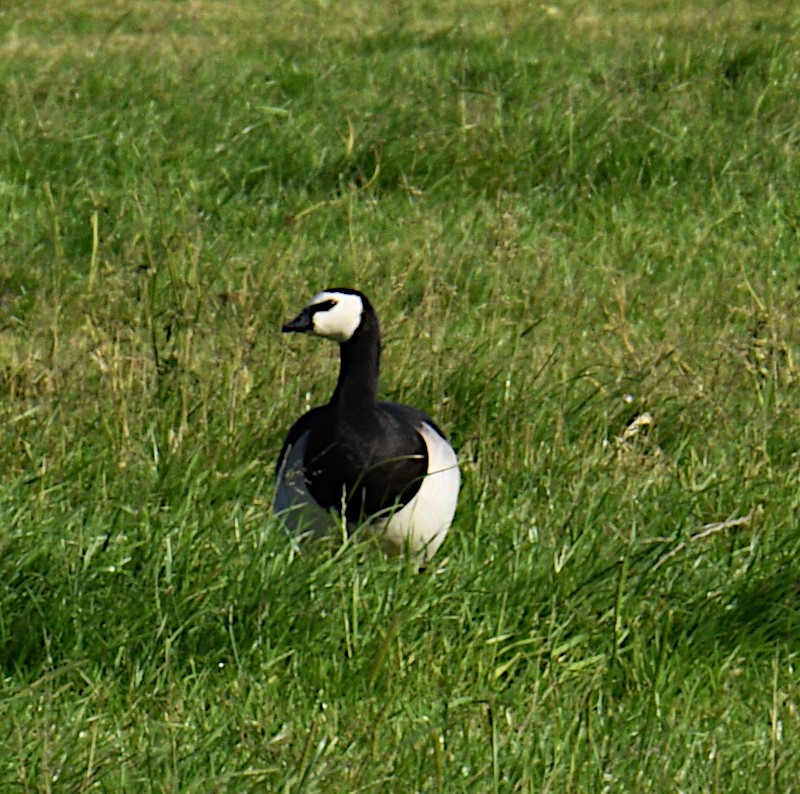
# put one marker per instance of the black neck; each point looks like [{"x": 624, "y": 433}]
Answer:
[{"x": 357, "y": 389}]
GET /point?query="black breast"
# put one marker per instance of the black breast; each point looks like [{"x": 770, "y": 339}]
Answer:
[{"x": 373, "y": 463}]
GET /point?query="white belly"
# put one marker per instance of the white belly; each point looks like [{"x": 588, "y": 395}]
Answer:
[{"x": 422, "y": 524}]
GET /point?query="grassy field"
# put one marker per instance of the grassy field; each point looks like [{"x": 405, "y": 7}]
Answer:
[{"x": 579, "y": 225}]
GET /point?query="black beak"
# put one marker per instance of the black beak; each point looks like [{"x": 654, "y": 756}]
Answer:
[{"x": 301, "y": 324}]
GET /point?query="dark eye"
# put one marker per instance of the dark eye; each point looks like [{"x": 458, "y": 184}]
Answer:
[{"x": 323, "y": 306}]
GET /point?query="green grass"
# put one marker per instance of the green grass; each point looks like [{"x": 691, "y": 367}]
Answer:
[{"x": 579, "y": 225}]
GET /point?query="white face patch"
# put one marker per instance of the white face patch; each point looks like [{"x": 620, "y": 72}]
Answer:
[{"x": 340, "y": 321}]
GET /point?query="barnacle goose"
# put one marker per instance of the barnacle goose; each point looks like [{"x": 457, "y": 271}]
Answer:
[{"x": 384, "y": 464}]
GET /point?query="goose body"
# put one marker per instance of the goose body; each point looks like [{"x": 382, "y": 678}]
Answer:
[{"x": 384, "y": 464}]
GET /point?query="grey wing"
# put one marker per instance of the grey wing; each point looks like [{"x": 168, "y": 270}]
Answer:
[
  {"x": 298, "y": 429},
  {"x": 293, "y": 502}
]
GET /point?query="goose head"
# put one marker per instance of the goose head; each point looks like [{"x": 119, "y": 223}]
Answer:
[{"x": 335, "y": 314}]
